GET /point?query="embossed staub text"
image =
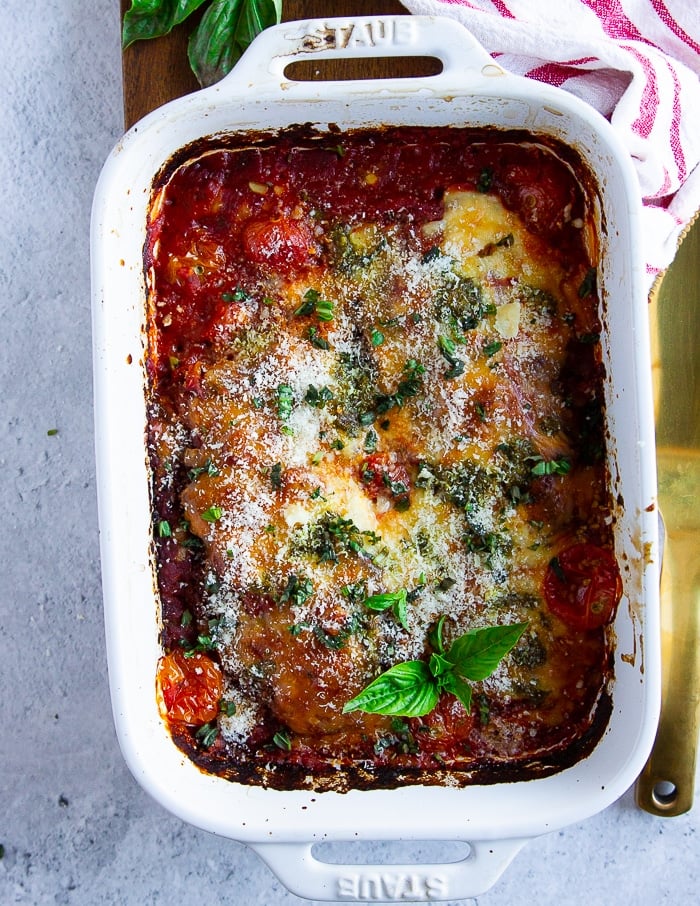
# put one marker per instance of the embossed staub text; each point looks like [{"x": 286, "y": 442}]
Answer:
[
  {"x": 358, "y": 34},
  {"x": 396, "y": 886}
]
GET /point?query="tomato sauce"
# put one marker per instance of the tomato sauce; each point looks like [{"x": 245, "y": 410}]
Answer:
[{"x": 376, "y": 407}]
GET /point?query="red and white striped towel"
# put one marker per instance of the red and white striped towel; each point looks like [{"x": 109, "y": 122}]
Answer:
[{"x": 636, "y": 61}]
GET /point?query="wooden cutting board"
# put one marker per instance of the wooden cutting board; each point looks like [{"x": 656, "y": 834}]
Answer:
[{"x": 157, "y": 71}]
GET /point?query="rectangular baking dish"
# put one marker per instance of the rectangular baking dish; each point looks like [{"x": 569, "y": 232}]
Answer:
[{"x": 495, "y": 820}]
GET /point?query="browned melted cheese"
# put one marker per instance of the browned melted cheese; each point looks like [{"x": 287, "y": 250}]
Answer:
[{"x": 360, "y": 348}]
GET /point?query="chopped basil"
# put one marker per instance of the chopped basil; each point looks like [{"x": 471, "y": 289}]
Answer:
[
  {"x": 297, "y": 590},
  {"x": 238, "y": 295},
  {"x": 282, "y": 741},
  {"x": 447, "y": 348},
  {"x": 206, "y": 734},
  {"x": 285, "y": 401},
  {"x": 317, "y": 340},
  {"x": 203, "y": 643},
  {"x": 460, "y": 302},
  {"x": 213, "y": 514},
  {"x": 354, "y": 592},
  {"x": 505, "y": 243},
  {"x": 560, "y": 466},
  {"x": 485, "y": 180},
  {"x": 410, "y": 385},
  {"x": 318, "y": 398},
  {"x": 313, "y": 303},
  {"x": 371, "y": 440},
  {"x": 376, "y": 337},
  {"x": 588, "y": 284},
  {"x": 492, "y": 348},
  {"x": 332, "y": 537},
  {"x": 207, "y": 469},
  {"x": 394, "y": 600}
]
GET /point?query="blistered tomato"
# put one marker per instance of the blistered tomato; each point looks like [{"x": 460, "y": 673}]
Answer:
[
  {"x": 582, "y": 586},
  {"x": 190, "y": 687},
  {"x": 280, "y": 242}
]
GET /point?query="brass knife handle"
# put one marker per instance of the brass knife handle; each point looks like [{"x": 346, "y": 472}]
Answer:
[{"x": 667, "y": 783}]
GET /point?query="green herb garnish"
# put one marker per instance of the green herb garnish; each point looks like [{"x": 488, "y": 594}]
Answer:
[
  {"x": 447, "y": 348},
  {"x": 276, "y": 475},
  {"x": 297, "y": 590},
  {"x": 413, "y": 688},
  {"x": 410, "y": 385},
  {"x": 282, "y": 740},
  {"x": 492, "y": 348},
  {"x": 313, "y": 303},
  {"x": 318, "y": 398},
  {"x": 206, "y": 734},
  {"x": 207, "y": 469},
  {"x": 285, "y": 401},
  {"x": 213, "y": 514},
  {"x": 485, "y": 180},
  {"x": 317, "y": 340},
  {"x": 332, "y": 537},
  {"x": 238, "y": 295},
  {"x": 203, "y": 643},
  {"x": 560, "y": 466},
  {"x": 396, "y": 601}
]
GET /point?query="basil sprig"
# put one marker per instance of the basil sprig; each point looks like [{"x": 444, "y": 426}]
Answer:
[
  {"x": 413, "y": 688},
  {"x": 224, "y": 32},
  {"x": 396, "y": 600}
]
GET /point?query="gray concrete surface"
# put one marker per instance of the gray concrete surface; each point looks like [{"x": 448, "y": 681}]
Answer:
[{"x": 75, "y": 828}]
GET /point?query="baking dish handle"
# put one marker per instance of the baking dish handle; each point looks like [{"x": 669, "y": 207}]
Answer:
[
  {"x": 264, "y": 62},
  {"x": 306, "y": 876}
]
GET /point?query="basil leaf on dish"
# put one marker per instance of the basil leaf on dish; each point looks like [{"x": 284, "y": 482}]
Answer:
[
  {"x": 407, "y": 690},
  {"x": 477, "y": 653}
]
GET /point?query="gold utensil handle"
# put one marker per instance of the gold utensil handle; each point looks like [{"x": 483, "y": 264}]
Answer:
[{"x": 666, "y": 785}]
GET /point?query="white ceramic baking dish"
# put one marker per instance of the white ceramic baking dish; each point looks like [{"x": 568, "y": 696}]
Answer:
[{"x": 283, "y": 826}]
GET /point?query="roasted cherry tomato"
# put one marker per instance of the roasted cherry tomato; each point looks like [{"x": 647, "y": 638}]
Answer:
[
  {"x": 583, "y": 586},
  {"x": 280, "y": 242},
  {"x": 190, "y": 687}
]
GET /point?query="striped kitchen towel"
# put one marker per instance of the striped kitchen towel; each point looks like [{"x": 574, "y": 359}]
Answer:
[{"x": 635, "y": 61}]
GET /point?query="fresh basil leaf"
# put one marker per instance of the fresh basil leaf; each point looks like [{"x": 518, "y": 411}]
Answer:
[
  {"x": 384, "y": 601},
  {"x": 401, "y": 611},
  {"x": 405, "y": 690},
  {"x": 477, "y": 653},
  {"x": 153, "y": 18},
  {"x": 453, "y": 683},
  {"x": 435, "y": 636},
  {"x": 397, "y": 600},
  {"x": 440, "y": 667},
  {"x": 225, "y": 31}
]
